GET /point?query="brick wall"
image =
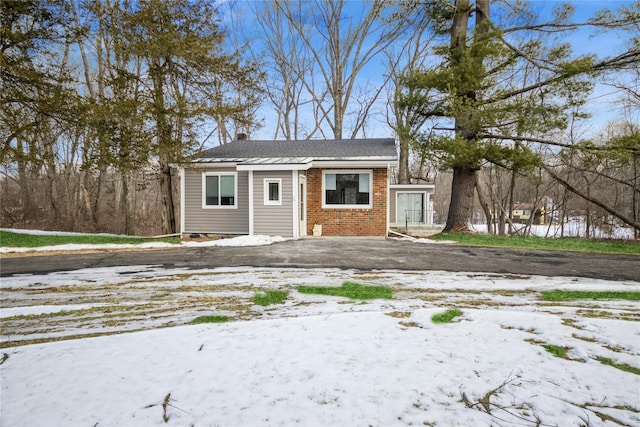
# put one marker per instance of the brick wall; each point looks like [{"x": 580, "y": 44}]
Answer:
[{"x": 347, "y": 222}]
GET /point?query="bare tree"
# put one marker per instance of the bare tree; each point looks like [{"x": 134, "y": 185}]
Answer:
[
  {"x": 321, "y": 48},
  {"x": 402, "y": 117}
]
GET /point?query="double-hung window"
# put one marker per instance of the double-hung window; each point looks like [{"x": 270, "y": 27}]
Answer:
[
  {"x": 219, "y": 190},
  {"x": 273, "y": 191},
  {"x": 347, "y": 189}
]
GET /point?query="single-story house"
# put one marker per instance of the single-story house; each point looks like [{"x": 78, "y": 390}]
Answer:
[{"x": 294, "y": 189}]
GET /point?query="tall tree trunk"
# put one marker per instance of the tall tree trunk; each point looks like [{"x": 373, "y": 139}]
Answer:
[
  {"x": 464, "y": 175},
  {"x": 99, "y": 208},
  {"x": 512, "y": 187},
  {"x": 404, "y": 177},
  {"x": 485, "y": 206},
  {"x": 461, "y": 205},
  {"x": 164, "y": 142},
  {"x": 166, "y": 188},
  {"x": 126, "y": 203}
]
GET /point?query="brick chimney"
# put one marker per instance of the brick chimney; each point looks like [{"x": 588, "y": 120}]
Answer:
[{"x": 241, "y": 137}]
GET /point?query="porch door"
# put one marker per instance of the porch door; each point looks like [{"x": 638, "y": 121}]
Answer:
[
  {"x": 302, "y": 205},
  {"x": 410, "y": 208}
]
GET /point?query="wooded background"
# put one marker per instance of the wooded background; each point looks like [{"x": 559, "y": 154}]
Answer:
[{"x": 99, "y": 98}]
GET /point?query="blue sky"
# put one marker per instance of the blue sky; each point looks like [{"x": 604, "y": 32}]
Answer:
[{"x": 602, "y": 106}]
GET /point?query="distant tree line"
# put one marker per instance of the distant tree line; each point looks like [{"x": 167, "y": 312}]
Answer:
[{"x": 99, "y": 98}]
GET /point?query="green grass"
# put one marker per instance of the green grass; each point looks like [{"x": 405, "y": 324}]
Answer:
[
  {"x": 350, "y": 290},
  {"x": 590, "y": 295},
  {"x": 209, "y": 319},
  {"x": 556, "y": 350},
  {"x": 621, "y": 366},
  {"x": 270, "y": 297},
  {"x": 446, "y": 316},
  {"x": 19, "y": 240},
  {"x": 533, "y": 242}
]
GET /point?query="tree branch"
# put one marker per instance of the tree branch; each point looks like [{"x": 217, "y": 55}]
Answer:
[
  {"x": 614, "y": 212},
  {"x": 627, "y": 58}
]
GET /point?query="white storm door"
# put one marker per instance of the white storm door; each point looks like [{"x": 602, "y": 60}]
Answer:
[{"x": 302, "y": 205}]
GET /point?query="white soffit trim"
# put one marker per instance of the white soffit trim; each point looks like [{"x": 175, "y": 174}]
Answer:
[
  {"x": 209, "y": 165},
  {"x": 412, "y": 186},
  {"x": 352, "y": 164}
]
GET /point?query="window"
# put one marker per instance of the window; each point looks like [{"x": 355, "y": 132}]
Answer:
[
  {"x": 347, "y": 189},
  {"x": 219, "y": 190},
  {"x": 273, "y": 191},
  {"x": 410, "y": 208}
]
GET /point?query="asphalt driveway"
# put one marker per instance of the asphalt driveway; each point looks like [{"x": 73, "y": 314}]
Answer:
[{"x": 353, "y": 253}]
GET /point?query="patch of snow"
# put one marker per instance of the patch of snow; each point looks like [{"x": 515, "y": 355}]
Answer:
[
  {"x": 423, "y": 240},
  {"x": 257, "y": 240},
  {"x": 58, "y": 233},
  {"x": 317, "y": 360},
  {"x": 84, "y": 247},
  {"x": 42, "y": 309},
  {"x": 572, "y": 228},
  {"x": 435, "y": 242}
]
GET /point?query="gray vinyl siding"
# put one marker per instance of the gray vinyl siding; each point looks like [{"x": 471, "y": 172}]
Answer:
[
  {"x": 392, "y": 205},
  {"x": 222, "y": 221},
  {"x": 273, "y": 220}
]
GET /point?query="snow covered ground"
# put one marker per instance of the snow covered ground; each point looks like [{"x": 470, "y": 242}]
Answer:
[
  {"x": 314, "y": 360},
  {"x": 256, "y": 240},
  {"x": 575, "y": 227}
]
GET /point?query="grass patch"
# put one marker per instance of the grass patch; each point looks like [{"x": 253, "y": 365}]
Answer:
[
  {"x": 590, "y": 295},
  {"x": 556, "y": 350},
  {"x": 447, "y": 316},
  {"x": 19, "y": 240},
  {"x": 546, "y": 243},
  {"x": 350, "y": 290},
  {"x": 209, "y": 319},
  {"x": 270, "y": 297},
  {"x": 622, "y": 366}
]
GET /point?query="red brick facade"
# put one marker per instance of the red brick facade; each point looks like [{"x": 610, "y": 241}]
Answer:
[{"x": 347, "y": 222}]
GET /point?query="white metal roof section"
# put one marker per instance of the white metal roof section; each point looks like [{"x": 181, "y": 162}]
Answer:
[{"x": 275, "y": 163}]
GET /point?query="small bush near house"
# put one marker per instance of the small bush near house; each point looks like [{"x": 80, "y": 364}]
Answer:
[
  {"x": 350, "y": 290},
  {"x": 270, "y": 297},
  {"x": 447, "y": 316},
  {"x": 209, "y": 319}
]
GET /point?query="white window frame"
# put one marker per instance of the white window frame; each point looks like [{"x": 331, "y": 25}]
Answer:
[
  {"x": 346, "y": 172},
  {"x": 204, "y": 190},
  {"x": 268, "y": 181}
]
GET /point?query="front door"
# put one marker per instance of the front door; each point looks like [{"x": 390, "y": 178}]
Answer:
[{"x": 302, "y": 205}]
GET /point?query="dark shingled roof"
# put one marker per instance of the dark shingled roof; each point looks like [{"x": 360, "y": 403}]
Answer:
[{"x": 318, "y": 149}]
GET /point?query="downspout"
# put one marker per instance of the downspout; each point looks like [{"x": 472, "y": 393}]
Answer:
[
  {"x": 250, "y": 179},
  {"x": 388, "y": 197},
  {"x": 182, "y": 201}
]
